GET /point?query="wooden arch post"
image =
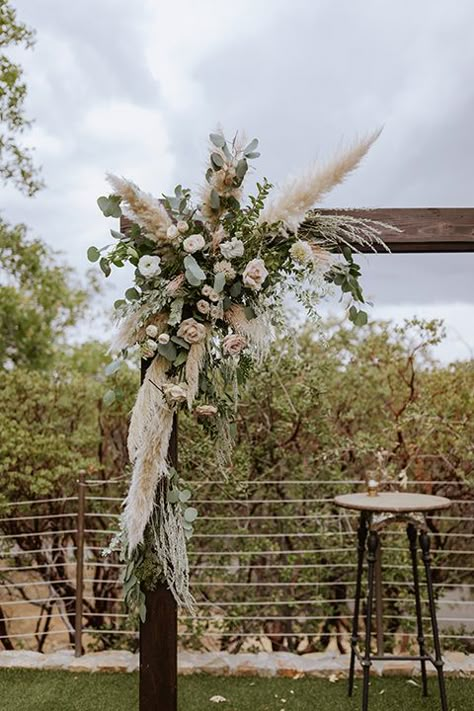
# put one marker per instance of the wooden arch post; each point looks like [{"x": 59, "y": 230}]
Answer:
[{"x": 425, "y": 230}]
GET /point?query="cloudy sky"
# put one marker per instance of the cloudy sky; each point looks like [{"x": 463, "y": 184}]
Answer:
[{"x": 135, "y": 87}]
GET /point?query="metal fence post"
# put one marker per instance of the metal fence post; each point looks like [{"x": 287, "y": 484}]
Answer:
[{"x": 81, "y": 509}]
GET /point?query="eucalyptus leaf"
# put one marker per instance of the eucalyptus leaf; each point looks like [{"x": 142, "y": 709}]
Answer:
[
  {"x": 184, "y": 495},
  {"x": 191, "y": 279},
  {"x": 180, "y": 341},
  {"x": 217, "y": 160},
  {"x": 253, "y": 154},
  {"x": 214, "y": 199},
  {"x": 217, "y": 139},
  {"x": 180, "y": 358},
  {"x": 174, "y": 496},
  {"x": 219, "y": 282},
  {"x": 110, "y": 206},
  {"x": 249, "y": 312},
  {"x": 93, "y": 254},
  {"x": 192, "y": 266},
  {"x": 117, "y": 235},
  {"x": 241, "y": 169},
  {"x": 105, "y": 266},
  {"x": 119, "y": 303},
  {"x": 167, "y": 350},
  {"x": 236, "y": 289},
  {"x": 190, "y": 514},
  {"x": 251, "y": 146},
  {"x": 132, "y": 294}
]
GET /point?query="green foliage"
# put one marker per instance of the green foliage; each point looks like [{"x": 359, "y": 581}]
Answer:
[
  {"x": 16, "y": 163},
  {"x": 39, "y": 300}
]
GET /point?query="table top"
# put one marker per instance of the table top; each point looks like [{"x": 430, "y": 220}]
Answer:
[{"x": 396, "y": 502}]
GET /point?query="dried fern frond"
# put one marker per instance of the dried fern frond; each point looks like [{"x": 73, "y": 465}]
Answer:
[
  {"x": 297, "y": 196},
  {"x": 144, "y": 209},
  {"x": 330, "y": 231}
]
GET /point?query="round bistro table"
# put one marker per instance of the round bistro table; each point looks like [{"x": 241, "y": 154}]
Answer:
[{"x": 377, "y": 512}]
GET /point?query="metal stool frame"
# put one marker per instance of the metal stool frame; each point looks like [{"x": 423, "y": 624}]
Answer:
[{"x": 368, "y": 537}]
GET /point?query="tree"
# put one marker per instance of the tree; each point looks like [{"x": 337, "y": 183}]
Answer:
[
  {"x": 16, "y": 164},
  {"x": 39, "y": 300}
]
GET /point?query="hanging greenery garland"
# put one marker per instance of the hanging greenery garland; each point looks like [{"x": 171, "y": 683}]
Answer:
[{"x": 210, "y": 283}]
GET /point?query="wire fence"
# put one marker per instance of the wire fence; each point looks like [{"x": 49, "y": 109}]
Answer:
[{"x": 272, "y": 565}]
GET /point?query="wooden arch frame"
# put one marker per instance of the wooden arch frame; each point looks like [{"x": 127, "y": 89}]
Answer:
[{"x": 424, "y": 230}]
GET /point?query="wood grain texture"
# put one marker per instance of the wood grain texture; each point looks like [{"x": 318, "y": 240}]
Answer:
[
  {"x": 396, "y": 502},
  {"x": 425, "y": 229},
  {"x": 159, "y": 632}
]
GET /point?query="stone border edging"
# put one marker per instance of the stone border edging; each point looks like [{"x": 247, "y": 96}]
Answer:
[{"x": 265, "y": 664}]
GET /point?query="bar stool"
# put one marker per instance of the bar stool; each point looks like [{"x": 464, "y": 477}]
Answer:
[{"x": 376, "y": 512}]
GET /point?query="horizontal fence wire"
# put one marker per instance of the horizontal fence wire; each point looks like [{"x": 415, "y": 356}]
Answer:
[{"x": 265, "y": 564}]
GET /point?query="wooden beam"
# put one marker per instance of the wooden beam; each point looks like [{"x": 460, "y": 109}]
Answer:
[{"x": 425, "y": 229}]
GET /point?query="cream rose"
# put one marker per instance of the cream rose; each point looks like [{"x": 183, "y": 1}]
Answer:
[
  {"x": 203, "y": 306},
  {"x": 175, "y": 392},
  {"x": 255, "y": 274},
  {"x": 205, "y": 410},
  {"x": 172, "y": 232},
  {"x": 232, "y": 248},
  {"x": 182, "y": 226},
  {"x": 151, "y": 331},
  {"x": 211, "y": 293},
  {"x": 193, "y": 243},
  {"x": 192, "y": 331},
  {"x": 233, "y": 344},
  {"x": 163, "y": 338}
]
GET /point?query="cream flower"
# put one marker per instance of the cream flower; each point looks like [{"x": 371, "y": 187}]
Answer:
[
  {"x": 193, "y": 243},
  {"x": 205, "y": 410},
  {"x": 211, "y": 293},
  {"x": 233, "y": 344},
  {"x": 163, "y": 338},
  {"x": 301, "y": 252},
  {"x": 149, "y": 266},
  {"x": 182, "y": 226},
  {"x": 151, "y": 331},
  {"x": 172, "y": 232},
  {"x": 255, "y": 274},
  {"x": 175, "y": 392},
  {"x": 192, "y": 331},
  {"x": 216, "y": 311},
  {"x": 232, "y": 248},
  {"x": 226, "y": 268},
  {"x": 203, "y": 306}
]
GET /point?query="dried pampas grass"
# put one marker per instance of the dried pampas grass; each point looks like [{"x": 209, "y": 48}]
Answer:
[
  {"x": 143, "y": 208},
  {"x": 148, "y": 440},
  {"x": 258, "y": 331},
  {"x": 194, "y": 363},
  {"x": 299, "y": 195}
]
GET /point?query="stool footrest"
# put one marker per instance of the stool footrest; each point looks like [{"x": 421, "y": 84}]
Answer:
[{"x": 396, "y": 658}]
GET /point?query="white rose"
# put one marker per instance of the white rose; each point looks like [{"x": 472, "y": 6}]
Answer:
[
  {"x": 151, "y": 331},
  {"x": 203, "y": 306},
  {"x": 226, "y": 268},
  {"x": 301, "y": 252},
  {"x": 233, "y": 344},
  {"x": 193, "y": 243},
  {"x": 255, "y": 274},
  {"x": 151, "y": 345},
  {"x": 163, "y": 338},
  {"x": 211, "y": 293},
  {"x": 149, "y": 266},
  {"x": 232, "y": 248},
  {"x": 182, "y": 226},
  {"x": 175, "y": 392},
  {"x": 172, "y": 232},
  {"x": 205, "y": 410},
  {"x": 192, "y": 331}
]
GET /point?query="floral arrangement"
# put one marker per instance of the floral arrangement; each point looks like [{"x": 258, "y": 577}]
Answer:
[{"x": 210, "y": 282}]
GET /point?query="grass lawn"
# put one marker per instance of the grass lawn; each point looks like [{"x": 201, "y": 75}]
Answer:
[{"x": 25, "y": 690}]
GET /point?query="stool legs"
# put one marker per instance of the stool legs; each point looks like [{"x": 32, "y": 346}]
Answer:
[
  {"x": 412, "y": 537},
  {"x": 372, "y": 545},
  {"x": 425, "y": 550},
  {"x": 362, "y": 536}
]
